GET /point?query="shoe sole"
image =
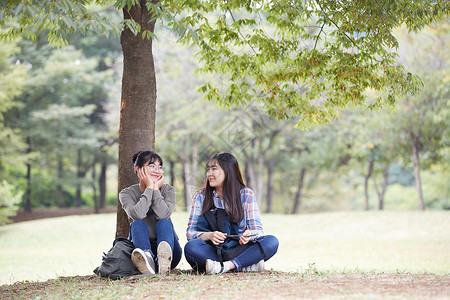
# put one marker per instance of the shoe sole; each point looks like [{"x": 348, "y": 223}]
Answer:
[
  {"x": 138, "y": 259},
  {"x": 164, "y": 258}
]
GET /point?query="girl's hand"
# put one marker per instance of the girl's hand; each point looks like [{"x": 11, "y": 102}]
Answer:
[
  {"x": 160, "y": 182},
  {"x": 216, "y": 237},
  {"x": 245, "y": 237},
  {"x": 145, "y": 178}
]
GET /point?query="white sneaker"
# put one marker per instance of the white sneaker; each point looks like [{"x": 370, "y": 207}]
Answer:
[
  {"x": 164, "y": 254},
  {"x": 143, "y": 261},
  {"x": 258, "y": 267},
  {"x": 213, "y": 267}
]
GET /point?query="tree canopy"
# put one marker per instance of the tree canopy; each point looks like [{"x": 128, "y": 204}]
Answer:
[{"x": 302, "y": 59}]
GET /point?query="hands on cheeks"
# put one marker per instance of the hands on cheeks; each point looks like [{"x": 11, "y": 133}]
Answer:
[
  {"x": 159, "y": 182},
  {"x": 149, "y": 181}
]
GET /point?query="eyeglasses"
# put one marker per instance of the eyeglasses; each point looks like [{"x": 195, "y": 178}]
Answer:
[{"x": 156, "y": 168}]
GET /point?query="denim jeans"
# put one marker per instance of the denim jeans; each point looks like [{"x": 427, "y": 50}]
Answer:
[
  {"x": 164, "y": 232},
  {"x": 197, "y": 251}
]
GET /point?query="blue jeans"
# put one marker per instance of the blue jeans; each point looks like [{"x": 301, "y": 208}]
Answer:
[
  {"x": 139, "y": 235},
  {"x": 197, "y": 251}
]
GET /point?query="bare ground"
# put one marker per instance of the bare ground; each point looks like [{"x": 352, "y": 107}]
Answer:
[{"x": 265, "y": 285}]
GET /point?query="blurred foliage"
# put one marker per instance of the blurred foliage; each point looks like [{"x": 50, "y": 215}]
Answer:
[
  {"x": 9, "y": 201},
  {"x": 60, "y": 110}
]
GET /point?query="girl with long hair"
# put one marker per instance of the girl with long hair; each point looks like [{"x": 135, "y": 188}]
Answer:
[
  {"x": 225, "y": 190},
  {"x": 149, "y": 205}
]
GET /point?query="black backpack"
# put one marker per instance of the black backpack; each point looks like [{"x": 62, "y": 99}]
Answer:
[
  {"x": 218, "y": 220},
  {"x": 117, "y": 262}
]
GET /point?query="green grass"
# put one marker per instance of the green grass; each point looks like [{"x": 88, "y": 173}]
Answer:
[{"x": 349, "y": 242}]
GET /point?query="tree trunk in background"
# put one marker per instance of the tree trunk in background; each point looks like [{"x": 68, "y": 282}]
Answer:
[
  {"x": 298, "y": 194},
  {"x": 260, "y": 179},
  {"x": 187, "y": 174},
  {"x": 59, "y": 187},
  {"x": 94, "y": 189},
  {"x": 78, "y": 201},
  {"x": 416, "y": 162},
  {"x": 80, "y": 175},
  {"x": 366, "y": 185},
  {"x": 247, "y": 178},
  {"x": 270, "y": 171},
  {"x": 172, "y": 172},
  {"x": 138, "y": 103},
  {"x": 27, "y": 199},
  {"x": 194, "y": 168},
  {"x": 186, "y": 186},
  {"x": 384, "y": 186},
  {"x": 102, "y": 183},
  {"x": 250, "y": 175}
]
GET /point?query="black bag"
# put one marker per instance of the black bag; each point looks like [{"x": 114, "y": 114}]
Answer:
[
  {"x": 117, "y": 262},
  {"x": 218, "y": 220}
]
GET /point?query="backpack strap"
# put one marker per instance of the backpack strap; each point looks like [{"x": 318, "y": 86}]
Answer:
[
  {"x": 222, "y": 218},
  {"x": 217, "y": 223},
  {"x": 219, "y": 254},
  {"x": 212, "y": 220},
  {"x": 261, "y": 249}
]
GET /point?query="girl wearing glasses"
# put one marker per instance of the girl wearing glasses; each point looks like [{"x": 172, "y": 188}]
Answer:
[
  {"x": 149, "y": 205},
  {"x": 225, "y": 195}
]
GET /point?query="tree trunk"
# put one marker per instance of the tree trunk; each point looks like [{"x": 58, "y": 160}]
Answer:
[
  {"x": 247, "y": 179},
  {"x": 366, "y": 185},
  {"x": 186, "y": 186},
  {"x": 270, "y": 171},
  {"x": 250, "y": 169},
  {"x": 416, "y": 162},
  {"x": 195, "y": 157},
  {"x": 138, "y": 102},
  {"x": 298, "y": 194},
  {"x": 59, "y": 187},
  {"x": 27, "y": 199},
  {"x": 80, "y": 176},
  {"x": 187, "y": 176},
  {"x": 172, "y": 172},
  {"x": 260, "y": 179},
  {"x": 102, "y": 183},
  {"x": 384, "y": 186},
  {"x": 94, "y": 190}
]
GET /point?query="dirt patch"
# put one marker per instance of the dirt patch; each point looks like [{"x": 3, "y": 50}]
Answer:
[
  {"x": 42, "y": 213},
  {"x": 265, "y": 285}
]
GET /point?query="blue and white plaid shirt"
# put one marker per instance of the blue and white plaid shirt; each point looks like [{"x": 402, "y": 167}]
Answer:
[{"x": 251, "y": 220}]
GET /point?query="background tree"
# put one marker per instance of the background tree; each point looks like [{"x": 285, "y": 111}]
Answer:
[
  {"x": 420, "y": 124},
  {"x": 12, "y": 77},
  {"x": 301, "y": 72},
  {"x": 59, "y": 76}
]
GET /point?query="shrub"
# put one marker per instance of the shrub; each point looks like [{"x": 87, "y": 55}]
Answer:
[{"x": 9, "y": 202}]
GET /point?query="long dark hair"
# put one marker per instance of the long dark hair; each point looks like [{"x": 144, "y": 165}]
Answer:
[
  {"x": 232, "y": 186},
  {"x": 142, "y": 157}
]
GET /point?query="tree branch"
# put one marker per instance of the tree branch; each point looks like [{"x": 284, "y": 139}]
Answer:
[
  {"x": 234, "y": 20},
  {"x": 318, "y": 35}
]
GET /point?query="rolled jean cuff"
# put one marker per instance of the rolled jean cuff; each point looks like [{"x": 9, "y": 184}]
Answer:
[{"x": 236, "y": 263}]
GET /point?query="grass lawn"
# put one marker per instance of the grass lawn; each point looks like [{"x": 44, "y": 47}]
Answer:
[{"x": 343, "y": 242}]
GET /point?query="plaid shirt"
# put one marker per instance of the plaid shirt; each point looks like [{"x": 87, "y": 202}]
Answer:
[{"x": 251, "y": 220}]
